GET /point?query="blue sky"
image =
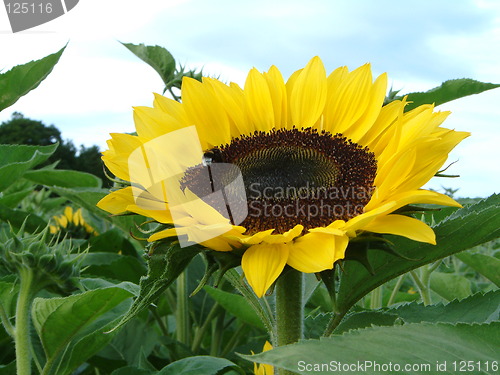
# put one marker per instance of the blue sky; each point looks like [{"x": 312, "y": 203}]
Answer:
[{"x": 420, "y": 44}]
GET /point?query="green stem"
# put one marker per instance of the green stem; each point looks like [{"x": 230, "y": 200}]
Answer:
[
  {"x": 159, "y": 320},
  {"x": 216, "y": 309},
  {"x": 22, "y": 329},
  {"x": 396, "y": 290},
  {"x": 182, "y": 312},
  {"x": 376, "y": 298},
  {"x": 259, "y": 305},
  {"x": 6, "y": 322},
  {"x": 233, "y": 341},
  {"x": 289, "y": 309},
  {"x": 218, "y": 330},
  {"x": 423, "y": 288},
  {"x": 333, "y": 323}
]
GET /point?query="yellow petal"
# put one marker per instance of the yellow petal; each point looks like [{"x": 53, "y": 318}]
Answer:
[
  {"x": 259, "y": 105},
  {"x": 350, "y": 99},
  {"x": 170, "y": 232},
  {"x": 285, "y": 237},
  {"x": 152, "y": 122},
  {"x": 414, "y": 196},
  {"x": 233, "y": 100},
  {"x": 172, "y": 108},
  {"x": 402, "y": 226},
  {"x": 262, "y": 264},
  {"x": 206, "y": 112},
  {"x": 316, "y": 252},
  {"x": 360, "y": 221},
  {"x": 308, "y": 96},
  {"x": 117, "y": 202},
  {"x": 68, "y": 212},
  {"x": 120, "y": 148},
  {"x": 374, "y": 105},
  {"x": 277, "y": 89}
]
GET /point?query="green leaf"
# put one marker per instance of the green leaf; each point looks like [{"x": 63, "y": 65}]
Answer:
[
  {"x": 129, "y": 370},
  {"x": 199, "y": 365},
  {"x": 464, "y": 229},
  {"x": 314, "y": 326},
  {"x": 478, "y": 308},
  {"x": 448, "y": 91},
  {"x": 72, "y": 328},
  {"x": 450, "y": 286},
  {"x": 157, "y": 57},
  {"x": 166, "y": 262},
  {"x": 486, "y": 265},
  {"x": 15, "y": 160},
  {"x": 114, "y": 266},
  {"x": 236, "y": 305},
  {"x": 9, "y": 369},
  {"x": 135, "y": 340},
  {"x": 21, "y": 79},
  {"x": 88, "y": 198},
  {"x": 13, "y": 199},
  {"x": 112, "y": 241},
  {"x": 17, "y": 218},
  {"x": 63, "y": 178},
  {"x": 365, "y": 319},
  {"x": 8, "y": 294},
  {"x": 422, "y": 344}
]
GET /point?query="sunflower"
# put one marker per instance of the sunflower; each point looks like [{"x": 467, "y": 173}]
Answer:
[
  {"x": 317, "y": 161},
  {"x": 73, "y": 223},
  {"x": 262, "y": 369}
]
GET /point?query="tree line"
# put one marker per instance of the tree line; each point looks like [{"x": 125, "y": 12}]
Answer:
[{"x": 22, "y": 130}]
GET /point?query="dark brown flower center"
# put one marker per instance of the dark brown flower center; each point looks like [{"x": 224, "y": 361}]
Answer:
[{"x": 292, "y": 177}]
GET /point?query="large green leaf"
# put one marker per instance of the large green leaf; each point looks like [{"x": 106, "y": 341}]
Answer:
[
  {"x": 21, "y": 79},
  {"x": 17, "y": 218},
  {"x": 11, "y": 200},
  {"x": 165, "y": 264},
  {"x": 114, "y": 266},
  {"x": 135, "y": 341},
  {"x": 199, "y": 365},
  {"x": 448, "y": 91},
  {"x": 464, "y": 229},
  {"x": 486, "y": 265},
  {"x": 157, "y": 57},
  {"x": 63, "y": 178},
  {"x": 236, "y": 305},
  {"x": 365, "y": 319},
  {"x": 421, "y": 345},
  {"x": 478, "y": 308},
  {"x": 72, "y": 329},
  {"x": 450, "y": 286},
  {"x": 15, "y": 160}
]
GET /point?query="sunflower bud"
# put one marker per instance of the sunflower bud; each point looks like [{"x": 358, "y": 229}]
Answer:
[{"x": 51, "y": 263}]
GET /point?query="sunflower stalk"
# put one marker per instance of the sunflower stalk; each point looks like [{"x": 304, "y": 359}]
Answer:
[
  {"x": 289, "y": 309},
  {"x": 27, "y": 292},
  {"x": 182, "y": 312}
]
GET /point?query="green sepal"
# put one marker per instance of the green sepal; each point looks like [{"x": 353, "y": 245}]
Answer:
[
  {"x": 328, "y": 278},
  {"x": 218, "y": 263}
]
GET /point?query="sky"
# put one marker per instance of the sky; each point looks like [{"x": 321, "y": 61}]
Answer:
[{"x": 420, "y": 44}]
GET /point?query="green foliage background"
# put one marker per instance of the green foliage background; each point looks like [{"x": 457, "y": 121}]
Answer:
[{"x": 110, "y": 304}]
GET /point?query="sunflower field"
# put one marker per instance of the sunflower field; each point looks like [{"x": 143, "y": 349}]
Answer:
[{"x": 281, "y": 227}]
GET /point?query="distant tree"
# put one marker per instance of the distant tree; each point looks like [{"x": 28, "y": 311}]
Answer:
[{"x": 23, "y": 130}]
